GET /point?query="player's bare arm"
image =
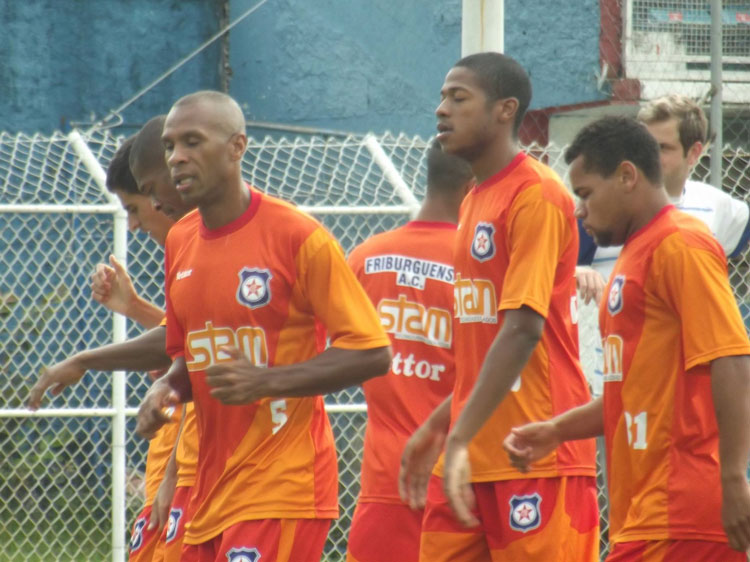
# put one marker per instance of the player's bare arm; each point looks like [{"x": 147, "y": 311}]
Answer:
[
  {"x": 531, "y": 442},
  {"x": 590, "y": 284},
  {"x": 143, "y": 353},
  {"x": 730, "y": 386},
  {"x": 170, "y": 390},
  {"x": 111, "y": 286},
  {"x": 421, "y": 453},
  {"x": 238, "y": 381},
  {"x": 165, "y": 493},
  {"x": 508, "y": 354}
]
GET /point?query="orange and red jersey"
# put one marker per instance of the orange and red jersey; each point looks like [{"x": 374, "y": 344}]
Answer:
[
  {"x": 259, "y": 283},
  {"x": 408, "y": 275},
  {"x": 517, "y": 245},
  {"x": 669, "y": 312}
]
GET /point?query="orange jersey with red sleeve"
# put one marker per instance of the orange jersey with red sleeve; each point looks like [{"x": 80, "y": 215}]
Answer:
[
  {"x": 408, "y": 275},
  {"x": 159, "y": 451},
  {"x": 669, "y": 311},
  {"x": 259, "y": 283},
  {"x": 517, "y": 245}
]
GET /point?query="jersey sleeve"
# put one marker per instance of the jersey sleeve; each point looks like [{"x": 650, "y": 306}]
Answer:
[
  {"x": 586, "y": 246},
  {"x": 733, "y": 226},
  {"x": 693, "y": 282},
  {"x": 539, "y": 232},
  {"x": 175, "y": 345},
  {"x": 337, "y": 299}
]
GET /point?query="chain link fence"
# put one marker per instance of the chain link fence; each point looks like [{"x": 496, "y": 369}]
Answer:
[{"x": 56, "y": 472}]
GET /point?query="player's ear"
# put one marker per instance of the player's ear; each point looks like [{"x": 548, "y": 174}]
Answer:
[
  {"x": 505, "y": 109},
  {"x": 694, "y": 154},
  {"x": 237, "y": 146},
  {"x": 627, "y": 174}
]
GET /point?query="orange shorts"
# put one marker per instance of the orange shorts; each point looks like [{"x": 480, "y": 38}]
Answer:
[
  {"x": 143, "y": 542},
  {"x": 174, "y": 530},
  {"x": 280, "y": 540},
  {"x": 526, "y": 519},
  {"x": 674, "y": 551},
  {"x": 382, "y": 532}
]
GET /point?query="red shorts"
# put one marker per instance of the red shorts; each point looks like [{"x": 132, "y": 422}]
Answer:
[
  {"x": 142, "y": 541},
  {"x": 379, "y": 530},
  {"x": 526, "y": 519},
  {"x": 174, "y": 530},
  {"x": 674, "y": 551},
  {"x": 279, "y": 540}
]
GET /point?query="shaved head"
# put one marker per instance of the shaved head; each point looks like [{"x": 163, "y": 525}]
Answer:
[
  {"x": 147, "y": 152},
  {"x": 226, "y": 113}
]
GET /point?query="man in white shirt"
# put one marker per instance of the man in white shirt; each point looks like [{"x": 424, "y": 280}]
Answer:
[{"x": 680, "y": 127}]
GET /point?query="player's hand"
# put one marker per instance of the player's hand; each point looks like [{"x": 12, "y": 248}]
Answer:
[
  {"x": 112, "y": 287},
  {"x": 529, "y": 443},
  {"x": 590, "y": 284},
  {"x": 55, "y": 378},
  {"x": 735, "y": 512},
  {"x": 457, "y": 483},
  {"x": 417, "y": 461},
  {"x": 237, "y": 381},
  {"x": 156, "y": 408},
  {"x": 162, "y": 502}
]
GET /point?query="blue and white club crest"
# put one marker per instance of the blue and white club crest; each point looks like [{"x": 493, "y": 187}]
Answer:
[
  {"x": 255, "y": 287},
  {"x": 243, "y": 555},
  {"x": 483, "y": 244},
  {"x": 136, "y": 539},
  {"x": 525, "y": 514},
  {"x": 615, "y": 299},
  {"x": 173, "y": 524}
]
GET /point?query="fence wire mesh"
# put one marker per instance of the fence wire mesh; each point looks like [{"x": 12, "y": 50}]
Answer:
[{"x": 55, "y": 473}]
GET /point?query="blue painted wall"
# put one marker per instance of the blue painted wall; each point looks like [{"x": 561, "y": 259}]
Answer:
[
  {"x": 353, "y": 65},
  {"x": 378, "y": 65},
  {"x": 63, "y": 60}
]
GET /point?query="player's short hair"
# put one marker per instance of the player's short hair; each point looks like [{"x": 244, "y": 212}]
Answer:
[
  {"x": 147, "y": 151},
  {"x": 232, "y": 119},
  {"x": 610, "y": 140},
  {"x": 119, "y": 176},
  {"x": 501, "y": 77},
  {"x": 691, "y": 121},
  {"x": 446, "y": 172}
]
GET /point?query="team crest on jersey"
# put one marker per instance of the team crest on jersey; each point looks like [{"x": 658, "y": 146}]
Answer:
[
  {"x": 243, "y": 555},
  {"x": 614, "y": 300},
  {"x": 524, "y": 512},
  {"x": 483, "y": 244},
  {"x": 255, "y": 287},
  {"x": 136, "y": 539},
  {"x": 173, "y": 524}
]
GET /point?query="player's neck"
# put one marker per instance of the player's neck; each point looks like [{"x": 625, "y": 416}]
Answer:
[
  {"x": 227, "y": 208},
  {"x": 492, "y": 160},
  {"x": 656, "y": 199},
  {"x": 438, "y": 209}
]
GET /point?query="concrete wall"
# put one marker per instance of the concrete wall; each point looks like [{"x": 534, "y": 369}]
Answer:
[
  {"x": 353, "y": 65},
  {"x": 63, "y": 60}
]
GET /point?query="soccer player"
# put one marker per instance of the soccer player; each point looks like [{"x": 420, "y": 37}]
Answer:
[
  {"x": 112, "y": 287},
  {"x": 408, "y": 274},
  {"x": 680, "y": 128},
  {"x": 247, "y": 278},
  {"x": 515, "y": 344},
  {"x": 676, "y": 407}
]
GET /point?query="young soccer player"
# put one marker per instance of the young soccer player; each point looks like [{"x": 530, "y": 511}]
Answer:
[
  {"x": 408, "y": 274},
  {"x": 676, "y": 407},
  {"x": 112, "y": 287},
  {"x": 515, "y": 343},
  {"x": 247, "y": 278}
]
